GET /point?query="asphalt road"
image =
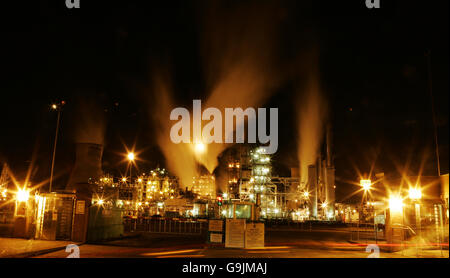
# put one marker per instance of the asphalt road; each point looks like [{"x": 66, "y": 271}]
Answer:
[
  {"x": 331, "y": 243},
  {"x": 102, "y": 251}
]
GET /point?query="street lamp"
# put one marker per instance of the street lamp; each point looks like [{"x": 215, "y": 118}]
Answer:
[
  {"x": 131, "y": 157},
  {"x": 395, "y": 203},
  {"x": 56, "y": 107},
  {"x": 415, "y": 194},
  {"x": 365, "y": 184},
  {"x": 22, "y": 195}
]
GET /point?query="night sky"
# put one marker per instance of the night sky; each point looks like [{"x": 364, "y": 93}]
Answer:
[{"x": 373, "y": 72}]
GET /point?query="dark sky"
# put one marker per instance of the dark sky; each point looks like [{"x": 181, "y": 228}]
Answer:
[{"x": 373, "y": 72}]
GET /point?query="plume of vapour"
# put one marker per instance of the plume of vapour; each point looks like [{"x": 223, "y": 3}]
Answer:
[
  {"x": 239, "y": 65},
  {"x": 311, "y": 115},
  {"x": 179, "y": 157}
]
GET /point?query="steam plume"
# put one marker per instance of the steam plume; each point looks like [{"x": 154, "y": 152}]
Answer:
[{"x": 311, "y": 115}]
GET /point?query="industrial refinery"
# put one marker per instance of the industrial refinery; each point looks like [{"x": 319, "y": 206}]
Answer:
[{"x": 225, "y": 129}]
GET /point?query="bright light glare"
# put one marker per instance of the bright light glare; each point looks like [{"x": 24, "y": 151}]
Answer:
[
  {"x": 366, "y": 184},
  {"x": 395, "y": 203},
  {"x": 100, "y": 202},
  {"x": 22, "y": 195},
  {"x": 130, "y": 156},
  {"x": 225, "y": 195},
  {"x": 306, "y": 194},
  {"x": 415, "y": 193},
  {"x": 200, "y": 147}
]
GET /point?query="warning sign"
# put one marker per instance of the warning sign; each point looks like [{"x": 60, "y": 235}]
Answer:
[
  {"x": 235, "y": 233},
  {"x": 80, "y": 207},
  {"x": 215, "y": 226},
  {"x": 254, "y": 235},
  {"x": 215, "y": 238}
]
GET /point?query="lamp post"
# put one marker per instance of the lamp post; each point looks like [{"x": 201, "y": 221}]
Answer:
[
  {"x": 366, "y": 185},
  {"x": 131, "y": 156},
  {"x": 58, "y": 108},
  {"x": 415, "y": 194}
]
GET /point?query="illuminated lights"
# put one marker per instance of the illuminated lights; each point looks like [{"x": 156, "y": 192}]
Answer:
[
  {"x": 415, "y": 193},
  {"x": 395, "y": 203},
  {"x": 366, "y": 184},
  {"x": 22, "y": 195},
  {"x": 131, "y": 156},
  {"x": 200, "y": 147}
]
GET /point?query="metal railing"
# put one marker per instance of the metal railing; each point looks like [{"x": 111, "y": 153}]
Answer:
[
  {"x": 366, "y": 232},
  {"x": 168, "y": 226}
]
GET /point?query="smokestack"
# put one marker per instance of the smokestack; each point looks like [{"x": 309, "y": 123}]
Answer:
[
  {"x": 312, "y": 188},
  {"x": 329, "y": 146},
  {"x": 88, "y": 165},
  {"x": 330, "y": 191}
]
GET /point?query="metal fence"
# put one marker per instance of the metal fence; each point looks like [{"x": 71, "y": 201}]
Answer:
[
  {"x": 169, "y": 226},
  {"x": 368, "y": 232}
]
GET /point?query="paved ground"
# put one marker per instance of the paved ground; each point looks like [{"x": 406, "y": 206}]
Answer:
[
  {"x": 16, "y": 247},
  {"x": 318, "y": 243},
  {"x": 324, "y": 243},
  {"x": 102, "y": 251}
]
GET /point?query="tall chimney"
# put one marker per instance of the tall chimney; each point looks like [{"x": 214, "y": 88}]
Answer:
[
  {"x": 312, "y": 188},
  {"x": 329, "y": 138}
]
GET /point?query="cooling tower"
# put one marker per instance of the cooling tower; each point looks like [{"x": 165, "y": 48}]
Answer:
[{"x": 88, "y": 165}]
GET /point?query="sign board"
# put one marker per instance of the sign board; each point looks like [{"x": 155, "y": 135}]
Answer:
[
  {"x": 215, "y": 226},
  {"x": 215, "y": 238},
  {"x": 235, "y": 233},
  {"x": 80, "y": 207},
  {"x": 254, "y": 235}
]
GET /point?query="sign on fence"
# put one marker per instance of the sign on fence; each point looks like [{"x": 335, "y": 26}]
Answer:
[
  {"x": 215, "y": 238},
  {"x": 215, "y": 226},
  {"x": 235, "y": 233},
  {"x": 254, "y": 235},
  {"x": 80, "y": 207},
  {"x": 215, "y": 231}
]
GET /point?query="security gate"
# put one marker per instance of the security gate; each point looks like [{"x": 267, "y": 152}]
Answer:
[{"x": 54, "y": 216}]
